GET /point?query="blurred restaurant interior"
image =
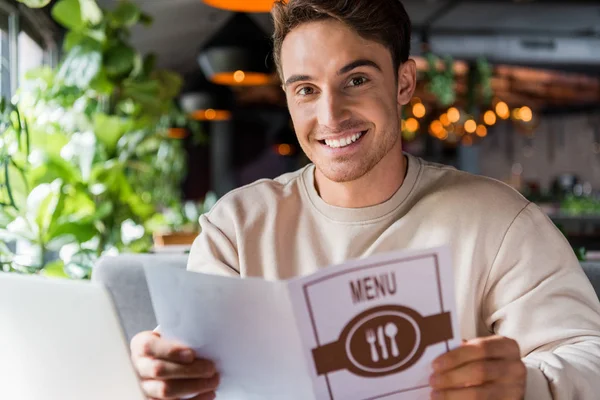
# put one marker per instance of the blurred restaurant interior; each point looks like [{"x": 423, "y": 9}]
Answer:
[{"x": 507, "y": 88}]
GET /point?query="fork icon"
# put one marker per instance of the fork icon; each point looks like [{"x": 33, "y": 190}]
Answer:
[{"x": 371, "y": 338}]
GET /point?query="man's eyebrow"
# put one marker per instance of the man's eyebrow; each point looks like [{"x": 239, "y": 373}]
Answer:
[
  {"x": 344, "y": 70},
  {"x": 358, "y": 63},
  {"x": 297, "y": 78}
]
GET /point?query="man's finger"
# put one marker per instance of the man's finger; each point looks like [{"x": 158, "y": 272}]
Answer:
[
  {"x": 494, "y": 347},
  {"x": 479, "y": 373},
  {"x": 150, "y": 344},
  {"x": 149, "y": 368},
  {"x": 176, "y": 389}
]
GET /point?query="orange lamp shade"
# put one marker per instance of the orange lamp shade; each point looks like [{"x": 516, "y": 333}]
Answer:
[
  {"x": 211, "y": 115},
  {"x": 241, "y": 78},
  {"x": 259, "y": 6},
  {"x": 177, "y": 133}
]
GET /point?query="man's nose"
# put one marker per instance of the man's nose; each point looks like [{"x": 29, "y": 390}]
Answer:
[{"x": 332, "y": 111}]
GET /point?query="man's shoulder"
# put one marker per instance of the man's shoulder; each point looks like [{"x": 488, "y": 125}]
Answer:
[
  {"x": 469, "y": 192},
  {"x": 261, "y": 196}
]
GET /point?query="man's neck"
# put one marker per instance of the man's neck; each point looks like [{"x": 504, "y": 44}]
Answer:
[{"x": 375, "y": 187}]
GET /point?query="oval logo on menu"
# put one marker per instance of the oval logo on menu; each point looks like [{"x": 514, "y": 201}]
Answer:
[{"x": 383, "y": 342}]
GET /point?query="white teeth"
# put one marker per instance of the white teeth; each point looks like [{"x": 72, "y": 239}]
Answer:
[{"x": 343, "y": 142}]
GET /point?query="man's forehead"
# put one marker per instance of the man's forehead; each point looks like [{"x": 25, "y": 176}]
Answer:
[{"x": 318, "y": 47}]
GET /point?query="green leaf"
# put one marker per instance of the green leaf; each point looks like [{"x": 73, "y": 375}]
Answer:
[
  {"x": 68, "y": 14},
  {"x": 82, "y": 64},
  {"x": 126, "y": 14},
  {"x": 171, "y": 83},
  {"x": 35, "y": 3},
  {"x": 72, "y": 39},
  {"x": 149, "y": 63},
  {"x": 101, "y": 84},
  {"x": 44, "y": 205},
  {"x": 110, "y": 129},
  {"x": 53, "y": 168},
  {"x": 55, "y": 269},
  {"x": 90, "y": 11},
  {"x": 119, "y": 61},
  {"x": 98, "y": 35},
  {"x": 78, "y": 232}
]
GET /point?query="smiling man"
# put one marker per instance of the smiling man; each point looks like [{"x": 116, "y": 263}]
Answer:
[{"x": 528, "y": 315}]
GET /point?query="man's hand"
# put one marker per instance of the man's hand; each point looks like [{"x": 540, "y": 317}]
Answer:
[
  {"x": 485, "y": 368},
  {"x": 169, "y": 370}
]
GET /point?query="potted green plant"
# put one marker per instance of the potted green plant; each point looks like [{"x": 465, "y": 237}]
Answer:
[{"x": 100, "y": 163}]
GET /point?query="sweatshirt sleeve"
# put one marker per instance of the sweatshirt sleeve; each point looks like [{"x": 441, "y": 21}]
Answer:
[
  {"x": 213, "y": 252},
  {"x": 538, "y": 294}
]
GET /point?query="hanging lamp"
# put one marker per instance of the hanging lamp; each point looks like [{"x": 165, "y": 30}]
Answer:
[
  {"x": 238, "y": 55},
  {"x": 242, "y": 5},
  {"x": 203, "y": 101}
]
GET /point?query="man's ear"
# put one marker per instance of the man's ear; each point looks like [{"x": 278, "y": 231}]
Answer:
[{"x": 407, "y": 82}]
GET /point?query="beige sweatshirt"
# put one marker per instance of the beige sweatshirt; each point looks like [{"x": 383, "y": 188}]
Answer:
[{"x": 515, "y": 274}]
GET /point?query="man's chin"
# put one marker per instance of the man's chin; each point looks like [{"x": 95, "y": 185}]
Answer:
[{"x": 344, "y": 174}]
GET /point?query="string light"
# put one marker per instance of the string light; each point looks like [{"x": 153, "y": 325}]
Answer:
[
  {"x": 470, "y": 126},
  {"x": 412, "y": 125},
  {"x": 526, "y": 114},
  {"x": 516, "y": 114},
  {"x": 489, "y": 118},
  {"x": 453, "y": 115},
  {"x": 444, "y": 119},
  {"x": 419, "y": 110},
  {"x": 481, "y": 131},
  {"x": 437, "y": 128},
  {"x": 502, "y": 110}
]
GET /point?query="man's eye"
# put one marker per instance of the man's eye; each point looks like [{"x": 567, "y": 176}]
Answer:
[
  {"x": 305, "y": 91},
  {"x": 360, "y": 80}
]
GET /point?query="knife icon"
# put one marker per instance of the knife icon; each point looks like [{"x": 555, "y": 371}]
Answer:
[{"x": 382, "y": 343}]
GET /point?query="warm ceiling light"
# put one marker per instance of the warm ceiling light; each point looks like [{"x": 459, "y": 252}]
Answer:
[
  {"x": 241, "y": 78},
  {"x": 238, "y": 54},
  {"x": 202, "y": 100},
  {"x": 177, "y": 133},
  {"x": 259, "y": 6},
  {"x": 443, "y": 135},
  {"x": 284, "y": 149},
  {"x": 526, "y": 114},
  {"x": 453, "y": 115},
  {"x": 489, "y": 118},
  {"x": 419, "y": 110},
  {"x": 502, "y": 110},
  {"x": 470, "y": 126},
  {"x": 211, "y": 115},
  {"x": 481, "y": 131},
  {"x": 412, "y": 125}
]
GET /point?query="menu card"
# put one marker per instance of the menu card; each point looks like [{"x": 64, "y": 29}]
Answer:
[{"x": 365, "y": 329}]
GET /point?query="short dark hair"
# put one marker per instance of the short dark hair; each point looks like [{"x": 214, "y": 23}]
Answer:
[{"x": 382, "y": 21}]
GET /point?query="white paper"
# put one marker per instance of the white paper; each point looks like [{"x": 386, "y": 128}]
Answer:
[{"x": 264, "y": 335}]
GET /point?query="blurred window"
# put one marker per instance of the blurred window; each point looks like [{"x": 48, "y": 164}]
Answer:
[
  {"x": 5, "y": 84},
  {"x": 31, "y": 50}
]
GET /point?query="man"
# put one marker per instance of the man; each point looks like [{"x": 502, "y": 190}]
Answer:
[{"x": 528, "y": 315}]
